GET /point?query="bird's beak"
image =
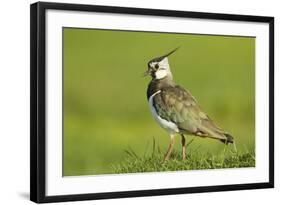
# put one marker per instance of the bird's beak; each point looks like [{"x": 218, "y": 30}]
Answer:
[{"x": 146, "y": 73}]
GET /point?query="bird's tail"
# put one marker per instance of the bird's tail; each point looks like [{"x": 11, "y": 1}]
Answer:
[{"x": 229, "y": 139}]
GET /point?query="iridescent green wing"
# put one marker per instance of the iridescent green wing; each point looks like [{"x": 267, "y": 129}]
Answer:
[{"x": 178, "y": 105}]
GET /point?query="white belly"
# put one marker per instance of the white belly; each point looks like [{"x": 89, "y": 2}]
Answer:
[{"x": 170, "y": 127}]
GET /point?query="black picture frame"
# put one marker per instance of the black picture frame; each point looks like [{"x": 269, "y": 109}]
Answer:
[{"x": 38, "y": 101}]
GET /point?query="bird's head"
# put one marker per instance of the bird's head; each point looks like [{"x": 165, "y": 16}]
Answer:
[{"x": 159, "y": 68}]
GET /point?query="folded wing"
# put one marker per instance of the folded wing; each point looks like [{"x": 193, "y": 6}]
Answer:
[{"x": 178, "y": 105}]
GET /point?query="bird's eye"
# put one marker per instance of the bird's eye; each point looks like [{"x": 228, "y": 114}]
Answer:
[{"x": 156, "y": 66}]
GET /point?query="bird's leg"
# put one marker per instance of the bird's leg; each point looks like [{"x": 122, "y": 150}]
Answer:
[
  {"x": 170, "y": 149},
  {"x": 183, "y": 146}
]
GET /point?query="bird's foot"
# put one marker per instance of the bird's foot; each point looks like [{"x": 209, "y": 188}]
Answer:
[{"x": 166, "y": 158}]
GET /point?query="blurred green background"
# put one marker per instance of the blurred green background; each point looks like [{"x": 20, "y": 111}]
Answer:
[{"x": 105, "y": 106}]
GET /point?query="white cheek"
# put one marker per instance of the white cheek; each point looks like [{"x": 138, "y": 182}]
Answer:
[{"x": 160, "y": 74}]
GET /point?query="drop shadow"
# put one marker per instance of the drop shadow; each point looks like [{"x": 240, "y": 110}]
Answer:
[{"x": 24, "y": 195}]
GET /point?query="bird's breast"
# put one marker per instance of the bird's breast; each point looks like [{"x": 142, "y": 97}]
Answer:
[{"x": 169, "y": 126}]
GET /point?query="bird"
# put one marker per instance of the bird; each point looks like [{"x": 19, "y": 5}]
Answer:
[{"x": 175, "y": 109}]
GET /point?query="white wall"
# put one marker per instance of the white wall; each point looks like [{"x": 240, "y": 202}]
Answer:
[{"x": 14, "y": 101}]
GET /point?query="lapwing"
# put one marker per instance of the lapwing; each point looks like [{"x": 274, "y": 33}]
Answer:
[{"x": 175, "y": 109}]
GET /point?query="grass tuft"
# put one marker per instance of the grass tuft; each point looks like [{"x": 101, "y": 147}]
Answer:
[{"x": 195, "y": 160}]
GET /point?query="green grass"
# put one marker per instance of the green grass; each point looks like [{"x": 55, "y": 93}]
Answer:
[
  {"x": 195, "y": 160},
  {"x": 105, "y": 106}
]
